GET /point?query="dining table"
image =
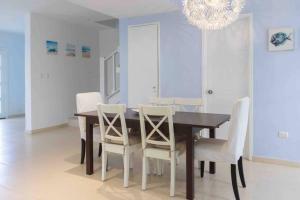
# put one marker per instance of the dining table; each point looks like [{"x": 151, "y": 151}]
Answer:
[{"x": 185, "y": 124}]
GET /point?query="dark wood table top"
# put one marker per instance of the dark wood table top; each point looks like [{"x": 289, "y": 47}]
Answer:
[{"x": 201, "y": 120}]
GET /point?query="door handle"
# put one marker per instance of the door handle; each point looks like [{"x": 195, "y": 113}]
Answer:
[
  {"x": 210, "y": 92},
  {"x": 154, "y": 90}
]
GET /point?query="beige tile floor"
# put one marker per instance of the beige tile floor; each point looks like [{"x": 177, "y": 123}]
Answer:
[{"x": 46, "y": 166}]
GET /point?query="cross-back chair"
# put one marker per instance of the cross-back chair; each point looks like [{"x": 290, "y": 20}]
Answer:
[
  {"x": 114, "y": 139},
  {"x": 156, "y": 143}
]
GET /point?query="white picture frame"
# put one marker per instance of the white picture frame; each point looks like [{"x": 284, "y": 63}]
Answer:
[{"x": 281, "y": 39}]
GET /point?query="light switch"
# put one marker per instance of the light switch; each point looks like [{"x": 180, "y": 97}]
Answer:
[{"x": 283, "y": 134}]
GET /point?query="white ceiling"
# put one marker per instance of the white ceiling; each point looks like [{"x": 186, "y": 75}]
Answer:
[
  {"x": 85, "y": 12},
  {"x": 129, "y": 8},
  {"x": 12, "y": 13}
]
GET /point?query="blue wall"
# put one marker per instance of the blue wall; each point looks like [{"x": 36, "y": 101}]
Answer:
[
  {"x": 14, "y": 44},
  {"x": 276, "y": 74},
  {"x": 276, "y": 81},
  {"x": 180, "y": 55}
]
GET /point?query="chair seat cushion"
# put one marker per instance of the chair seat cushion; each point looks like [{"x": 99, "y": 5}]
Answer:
[
  {"x": 180, "y": 147},
  {"x": 213, "y": 150},
  {"x": 133, "y": 138}
]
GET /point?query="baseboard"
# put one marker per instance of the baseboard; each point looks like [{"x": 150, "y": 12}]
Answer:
[
  {"x": 73, "y": 122},
  {"x": 46, "y": 129},
  {"x": 275, "y": 161},
  {"x": 16, "y": 115}
]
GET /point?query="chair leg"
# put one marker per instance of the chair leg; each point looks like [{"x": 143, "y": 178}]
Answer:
[
  {"x": 173, "y": 174},
  {"x": 131, "y": 161},
  {"x": 202, "y": 166},
  {"x": 241, "y": 171},
  {"x": 104, "y": 165},
  {"x": 107, "y": 163},
  {"x": 145, "y": 172},
  {"x": 82, "y": 151},
  {"x": 234, "y": 182},
  {"x": 162, "y": 167},
  {"x": 148, "y": 167},
  {"x": 158, "y": 166},
  {"x": 100, "y": 150},
  {"x": 126, "y": 167}
]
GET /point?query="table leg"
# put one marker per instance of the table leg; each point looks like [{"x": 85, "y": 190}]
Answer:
[
  {"x": 190, "y": 165},
  {"x": 89, "y": 147},
  {"x": 212, "y": 165}
]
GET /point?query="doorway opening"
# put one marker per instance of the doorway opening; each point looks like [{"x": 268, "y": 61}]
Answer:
[
  {"x": 3, "y": 83},
  {"x": 230, "y": 76}
]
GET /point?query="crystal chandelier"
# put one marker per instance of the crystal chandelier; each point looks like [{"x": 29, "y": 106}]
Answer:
[{"x": 212, "y": 14}]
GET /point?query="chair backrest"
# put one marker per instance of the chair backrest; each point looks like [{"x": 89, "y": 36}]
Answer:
[
  {"x": 188, "y": 104},
  {"x": 109, "y": 132},
  {"x": 86, "y": 102},
  {"x": 156, "y": 116},
  {"x": 161, "y": 101},
  {"x": 238, "y": 127}
]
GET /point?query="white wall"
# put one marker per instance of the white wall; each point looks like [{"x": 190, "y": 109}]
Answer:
[
  {"x": 108, "y": 42},
  {"x": 13, "y": 44},
  {"x": 52, "y": 81}
]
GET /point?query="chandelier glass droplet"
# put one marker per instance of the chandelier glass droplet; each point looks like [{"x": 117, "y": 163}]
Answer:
[{"x": 212, "y": 14}]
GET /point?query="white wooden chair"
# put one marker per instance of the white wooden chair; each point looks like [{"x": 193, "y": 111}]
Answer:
[
  {"x": 115, "y": 140},
  {"x": 161, "y": 101},
  {"x": 157, "y": 144},
  {"x": 86, "y": 102},
  {"x": 230, "y": 151},
  {"x": 188, "y": 104}
]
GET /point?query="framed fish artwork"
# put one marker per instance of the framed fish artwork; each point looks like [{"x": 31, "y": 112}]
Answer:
[{"x": 281, "y": 39}]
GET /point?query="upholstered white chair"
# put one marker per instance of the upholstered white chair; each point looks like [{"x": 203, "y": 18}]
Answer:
[
  {"x": 155, "y": 143},
  {"x": 87, "y": 102},
  {"x": 229, "y": 151},
  {"x": 115, "y": 140}
]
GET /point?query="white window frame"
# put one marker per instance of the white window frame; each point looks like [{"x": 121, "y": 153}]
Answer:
[{"x": 116, "y": 70}]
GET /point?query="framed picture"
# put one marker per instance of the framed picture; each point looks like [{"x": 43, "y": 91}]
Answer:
[
  {"x": 52, "y": 47},
  {"x": 86, "y": 51},
  {"x": 281, "y": 39},
  {"x": 70, "y": 50}
]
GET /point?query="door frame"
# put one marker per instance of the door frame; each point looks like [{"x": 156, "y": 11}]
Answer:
[
  {"x": 158, "y": 52},
  {"x": 249, "y": 139},
  {"x": 5, "y": 76}
]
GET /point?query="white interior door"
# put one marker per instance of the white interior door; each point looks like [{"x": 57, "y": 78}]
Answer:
[
  {"x": 3, "y": 83},
  {"x": 228, "y": 68},
  {"x": 143, "y": 63}
]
